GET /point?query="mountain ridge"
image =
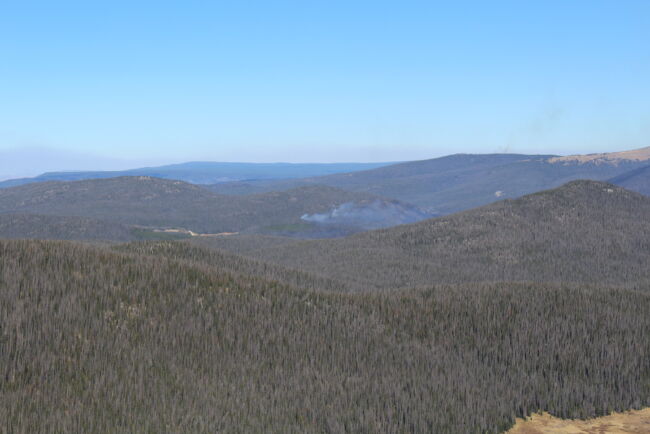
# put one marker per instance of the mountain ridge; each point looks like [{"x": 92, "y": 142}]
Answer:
[
  {"x": 204, "y": 172},
  {"x": 641, "y": 154},
  {"x": 453, "y": 183}
]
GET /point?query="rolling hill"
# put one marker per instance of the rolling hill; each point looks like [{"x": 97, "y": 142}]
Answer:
[
  {"x": 460, "y": 182},
  {"x": 129, "y": 200},
  {"x": 149, "y": 338},
  {"x": 584, "y": 231},
  {"x": 157, "y": 203}
]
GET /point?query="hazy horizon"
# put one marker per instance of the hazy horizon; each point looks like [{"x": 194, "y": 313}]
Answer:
[
  {"x": 30, "y": 162},
  {"x": 97, "y": 87}
]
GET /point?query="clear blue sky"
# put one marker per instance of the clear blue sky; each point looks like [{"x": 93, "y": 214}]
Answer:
[{"x": 322, "y": 80}]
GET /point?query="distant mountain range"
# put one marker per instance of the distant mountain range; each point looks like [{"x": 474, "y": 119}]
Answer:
[
  {"x": 459, "y": 182},
  {"x": 331, "y": 205},
  {"x": 207, "y": 172}
]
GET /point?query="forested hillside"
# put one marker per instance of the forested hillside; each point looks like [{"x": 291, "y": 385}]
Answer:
[
  {"x": 242, "y": 243},
  {"x": 94, "y": 340},
  {"x": 33, "y": 226},
  {"x": 159, "y": 203},
  {"x": 584, "y": 231},
  {"x": 130, "y": 200}
]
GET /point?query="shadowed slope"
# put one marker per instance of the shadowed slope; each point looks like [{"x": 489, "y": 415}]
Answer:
[{"x": 636, "y": 180}]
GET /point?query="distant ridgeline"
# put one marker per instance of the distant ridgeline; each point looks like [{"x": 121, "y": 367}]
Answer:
[
  {"x": 459, "y": 182},
  {"x": 208, "y": 172},
  {"x": 438, "y": 186},
  {"x": 336, "y": 205}
]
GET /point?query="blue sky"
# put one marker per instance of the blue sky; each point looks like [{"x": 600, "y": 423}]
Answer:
[{"x": 120, "y": 83}]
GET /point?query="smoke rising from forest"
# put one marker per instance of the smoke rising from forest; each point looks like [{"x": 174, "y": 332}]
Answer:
[{"x": 369, "y": 214}]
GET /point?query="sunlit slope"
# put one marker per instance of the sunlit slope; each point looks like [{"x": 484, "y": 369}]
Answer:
[
  {"x": 642, "y": 154},
  {"x": 629, "y": 422}
]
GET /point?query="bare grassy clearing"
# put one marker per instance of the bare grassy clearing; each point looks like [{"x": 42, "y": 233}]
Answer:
[{"x": 637, "y": 421}]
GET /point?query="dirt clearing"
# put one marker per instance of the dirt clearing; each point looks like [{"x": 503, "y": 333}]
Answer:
[{"x": 635, "y": 421}]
